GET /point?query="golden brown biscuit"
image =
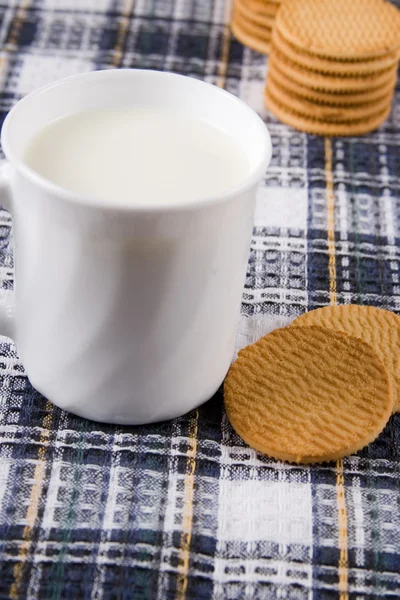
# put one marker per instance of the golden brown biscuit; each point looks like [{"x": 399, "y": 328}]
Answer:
[
  {"x": 331, "y": 114},
  {"x": 329, "y": 83},
  {"x": 308, "y": 394},
  {"x": 375, "y": 326},
  {"x": 331, "y": 98},
  {"x": 338, "y": 67},
  {"x": 318, "y": 127},
  {"x": 356, "y": 29},
  {"x": 267, "y": 8},
  {"x": 261, "y": 22},
  {"x": 245, "y": 36},
  {"x": 259, "y": 31}
]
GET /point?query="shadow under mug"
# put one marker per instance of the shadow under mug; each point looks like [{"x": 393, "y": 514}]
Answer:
[{"x": 127, "y": 314}]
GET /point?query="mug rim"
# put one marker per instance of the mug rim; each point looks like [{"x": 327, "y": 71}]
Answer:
[{"x": 93, "y": 202}]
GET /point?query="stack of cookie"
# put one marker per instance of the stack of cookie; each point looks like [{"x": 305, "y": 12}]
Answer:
[
  {"x": 252, "y": 22},
  {"x": 333, "y": 65}
]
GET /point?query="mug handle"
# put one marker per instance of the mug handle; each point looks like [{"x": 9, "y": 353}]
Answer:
[{"x": 7, "y": 302}]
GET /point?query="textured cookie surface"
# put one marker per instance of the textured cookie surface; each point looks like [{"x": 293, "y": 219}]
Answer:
[
  {"x": 259, "y": 31},
  {"x": 378, "y": 328},
  {"x": 341, "y": 28},
  {"x": 327, "y": 113},
  {"x": 338, "y": 67},
  {"x": 308, "y": 394},
  {"x": 262, "y": 21},
  {"x": 318, "y": 127},
  {"x": 246, "y": 35},
  {"x": 327, "y": 82},
  {"x": 263, "y": 7},
  {"x": 331, "y": 98}
]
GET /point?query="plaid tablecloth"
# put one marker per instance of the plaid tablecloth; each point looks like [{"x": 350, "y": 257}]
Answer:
[{"x": 184, "y": 509}]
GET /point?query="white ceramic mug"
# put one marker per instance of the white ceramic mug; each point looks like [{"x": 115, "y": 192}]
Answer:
[{"x": 127, "y": 314}]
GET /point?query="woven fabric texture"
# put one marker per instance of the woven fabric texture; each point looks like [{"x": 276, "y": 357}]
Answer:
[{"x": 184, "y": 509}]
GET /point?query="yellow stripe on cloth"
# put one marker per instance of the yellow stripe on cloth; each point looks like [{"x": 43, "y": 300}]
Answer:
[
  {"x": 226, "y": 42},
  {"x": 187, "y": 516},
  {"x": 12, "y": 40},
  {"x": 342, "y": 522},
  {"x": 340, "y": 490},
  {"x": 122, "y": 32},
  {"x": 33, "y": 505}
]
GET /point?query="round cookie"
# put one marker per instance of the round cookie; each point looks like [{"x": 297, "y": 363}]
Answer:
[
  {"x": 333, "y": 114},
  {"x": 268, "y": 8},
  {"x": 259, "y": 21},
  {"x": 242, "y": 33},
  {"x": 375, "y": 326},
  {"x": 330, "y": 66},
  {"x": 265, "y": 5},
  {"x": 331, "y": 98},
  {"x": 356, "y": 29},
  {"x": 330, "y": 83},
  {"x": 257, "y": 30},
  {"x": 308, "y": 395},
  {"x": 316, "y": 127}
]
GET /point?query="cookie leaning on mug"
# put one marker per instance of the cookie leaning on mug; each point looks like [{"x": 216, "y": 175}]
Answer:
[{"x": 308, "y": 394}]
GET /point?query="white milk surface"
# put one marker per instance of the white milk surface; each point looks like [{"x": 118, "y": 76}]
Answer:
[{"x": 137, "y": 156}]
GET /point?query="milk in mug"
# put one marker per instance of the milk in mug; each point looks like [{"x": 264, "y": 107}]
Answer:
[{"x": 137, "y": 156}]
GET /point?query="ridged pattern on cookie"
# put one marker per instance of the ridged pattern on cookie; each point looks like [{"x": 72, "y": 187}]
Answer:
[
  {"x": 333, "y": 67},
  {"x": 318, "y": 127},
  {"x": 243, "y": 32},
  {"x": 330, "y": 83},
  {"x": 375, "y": 326},
  {"x": 348, "y": 29},
  {"x": 308, "y": 394},
  {"x": 253, "y": 21},
  {"x": 334, "y": 114},
  {"x": 262, "y": 22},
  {"x": 260, "y": 31},
  {"x": 333, "y": 98},
  {"x": 267, "y": 8}
]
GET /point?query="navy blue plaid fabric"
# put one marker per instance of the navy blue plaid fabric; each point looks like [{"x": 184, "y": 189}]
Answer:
[{"x": 184, "y": 509}]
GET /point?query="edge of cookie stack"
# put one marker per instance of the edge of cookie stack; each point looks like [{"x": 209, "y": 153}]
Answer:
[
  {"x": 252, "y": 22},
  {"x": 333, "y": 65}
]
